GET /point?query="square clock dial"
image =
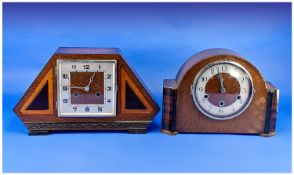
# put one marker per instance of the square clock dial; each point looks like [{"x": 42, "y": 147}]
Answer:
[{"x": 86, "y": 88}]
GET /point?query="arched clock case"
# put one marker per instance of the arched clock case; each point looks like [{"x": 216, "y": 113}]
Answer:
[{"x": 218, "y": 91}]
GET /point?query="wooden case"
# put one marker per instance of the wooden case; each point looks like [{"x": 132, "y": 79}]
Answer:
[
  {"x": 180, "y": 115},
  {"x": 38, "y": 111}
]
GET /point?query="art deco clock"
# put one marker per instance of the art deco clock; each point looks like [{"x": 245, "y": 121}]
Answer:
[
  {"x": 86, "y": 89},
  {"x": 218, "y": 91}
]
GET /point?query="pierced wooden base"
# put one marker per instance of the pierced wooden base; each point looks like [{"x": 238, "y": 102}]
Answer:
[
  {"x": 45, "y": 128},
  {"x": 131, "y": 131}
]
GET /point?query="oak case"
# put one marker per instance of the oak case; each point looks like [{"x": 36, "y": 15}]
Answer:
[
  {"x": 181, "y": 116},
  {"x": 42, "y": 120}
]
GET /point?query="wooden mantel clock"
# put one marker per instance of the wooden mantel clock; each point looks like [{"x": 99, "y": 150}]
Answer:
[
  {"x": 86, "y": 89},
  {"x": 218, "y": 91}
]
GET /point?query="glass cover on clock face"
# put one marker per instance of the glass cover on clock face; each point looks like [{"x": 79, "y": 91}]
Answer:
[
  {"x": 86, "y": 88},
  {"x": 222, "y": 90}
]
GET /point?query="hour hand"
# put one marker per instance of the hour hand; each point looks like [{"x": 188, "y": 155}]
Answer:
[
  {"x": 221, "y": 80},
  {"x": 86, "y": 88}
]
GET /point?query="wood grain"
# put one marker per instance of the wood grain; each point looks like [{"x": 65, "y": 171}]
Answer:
[
  {"x": 87, "y": 54},
  {"x": 126, "y": 79},
  {"x": 190, "y": 120},
  {"x": 48, "y": 78},
  {"x": 96, "y": 92}
]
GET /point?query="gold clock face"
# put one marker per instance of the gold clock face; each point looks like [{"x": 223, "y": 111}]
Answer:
[
  {"x": 86, "y": 88},
  {"x": 222, "y": 90}
]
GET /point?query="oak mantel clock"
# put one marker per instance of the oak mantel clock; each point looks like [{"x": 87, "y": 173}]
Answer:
[
  {"x": 86, "y": 89},
  {"x": 218, "y": 91}
]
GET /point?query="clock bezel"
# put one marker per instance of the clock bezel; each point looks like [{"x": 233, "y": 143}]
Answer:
[
  {"x": 84, "y": 115},
  {"x": 209, "y": 115}
]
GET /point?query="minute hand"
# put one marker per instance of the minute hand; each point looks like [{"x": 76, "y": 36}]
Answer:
[
  {"x": 221, "y": 80},
  {"x": 90, "y": 81}
]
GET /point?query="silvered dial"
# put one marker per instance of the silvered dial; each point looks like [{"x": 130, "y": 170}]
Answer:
[
  {"x": 86, "y": 88},
  {"x": 222, "y": 90}
]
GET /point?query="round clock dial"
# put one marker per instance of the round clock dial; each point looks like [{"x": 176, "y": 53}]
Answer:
[
  {"x": 86, "y": 88},
  {"x": 222, "y": 90}
]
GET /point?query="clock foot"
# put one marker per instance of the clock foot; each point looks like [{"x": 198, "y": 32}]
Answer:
[
  {"x": 137, "y": 131},
  {"x": 268, "y": 134},
  {"x": 36, "y": 132},
  {"x": 168, "y": 132}
]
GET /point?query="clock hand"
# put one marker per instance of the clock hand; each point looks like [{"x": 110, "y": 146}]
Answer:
[
  {"x": 90, "y": 81},
  {"x": 221, "y": 80},
  {"x": 77, "y": 87},
  {"x": 86, "y": 88},
  {"x": 83, "y": 88}
]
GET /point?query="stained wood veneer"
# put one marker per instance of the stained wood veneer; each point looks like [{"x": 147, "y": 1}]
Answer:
[
  {"x": 180, "y": 114},
  {"x": 42, "y": 121}
]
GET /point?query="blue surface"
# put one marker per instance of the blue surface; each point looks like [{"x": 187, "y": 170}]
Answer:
[{"x": 157, "y": 39}]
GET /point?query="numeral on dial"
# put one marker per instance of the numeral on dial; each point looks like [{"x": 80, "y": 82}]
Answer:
[
  {"x": 99, "y": 109},
  {"x": 75, "y": 108},
  {"x": 108, "y": 88},
  {"x": 108, "y": 76},
  {"x": 73, "y": 66},
  {"x": 244, "y": 90},
  {"x": 224, "y": 68},
  {"x": 65, "y": 76},
  {"x": 204, "y": 79},
  {"x": 212, "y": 70},
  {"x": 242, "y": 79},
  {"x": 109, "y": 100},
  {"x": 86, "y": 66},
  {"x": 87, "y": 109},
  {"x": 220, "y": 111}
]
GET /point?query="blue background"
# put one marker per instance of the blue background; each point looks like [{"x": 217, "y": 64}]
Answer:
[{"x": 157, "y": 39}]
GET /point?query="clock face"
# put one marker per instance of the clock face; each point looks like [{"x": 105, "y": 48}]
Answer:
[
  {"x": 222, "y": 90},
  {"x": 86, "y": 88}
]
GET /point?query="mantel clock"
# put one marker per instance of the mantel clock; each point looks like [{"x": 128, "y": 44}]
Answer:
[
  {"x": 218, "y": 91},
  {"x": 86, "y": 89}
]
